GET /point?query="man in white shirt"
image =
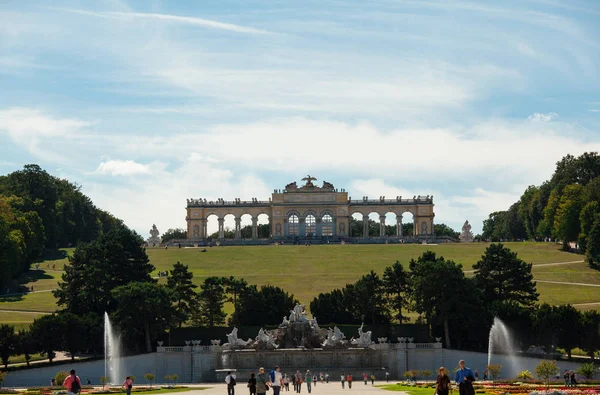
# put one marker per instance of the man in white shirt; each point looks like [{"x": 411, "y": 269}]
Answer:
[
  {"x": 277, "y": 381},
  {"x": 231, "y": 382}
]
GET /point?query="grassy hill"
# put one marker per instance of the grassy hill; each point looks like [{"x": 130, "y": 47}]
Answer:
[{"x": 307, "y": 271}]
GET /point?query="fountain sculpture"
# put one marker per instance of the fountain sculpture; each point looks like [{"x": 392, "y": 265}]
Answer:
[{"x": 500, "y": 340}]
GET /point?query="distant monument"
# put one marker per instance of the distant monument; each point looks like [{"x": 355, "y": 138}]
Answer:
[
  {"x": 153, "y": 239},
  {"x": 466, "y": 236}
]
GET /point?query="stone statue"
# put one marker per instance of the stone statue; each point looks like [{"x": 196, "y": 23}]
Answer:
[
  {"x": 233, "y": 341},
  {"x": 364, "y": 338},
  {"x": 298, "y": 314},
  {"x": 291, "y": 186},
  {"x": 314, "y": 325},
  {"x": 154, "y": 239},
  {"x": 342, "y": 229},
  {"x": 265, "y": 339},
  {"x": 278, "y": 230},
  {"x": 335, "y": 338},
  {"x": 466, "y": 236},
  {"x": 309, "y": 181},
  {"x": 328, "y": 185},
  {"x": 196, "y": 231},
  {"x": 285, "y": 323}
]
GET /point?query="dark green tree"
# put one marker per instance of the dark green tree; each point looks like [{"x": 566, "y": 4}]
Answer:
[
  {"x": 143, "y": 311},
  {"x": 182, "y": 289},
  {"x": 569, "y": 327},
  {"x": 264, "y": 306},
  {"x": 592, "y": 251},
  {"x": 396, "y": 285},
  {"x": 73, "y": 339},
  {"x": 211, "y": 300},
  {"x": 25, "y": 345},
  {"x": 8, "y": 341},
  {"x": 445, "y": 230},
  {"x": 589, "y": 213},
  {"x": 503, "y": 277},
  {"x": 590, "y": 329},
  {"x": 234, "y": 288},
  {"x": 47, "y": 334},
  {"x": 172, "y": 234},
  {"x": 114, "y": 259},
  {"x": 366, "y": 301},
  {"x": 440, "y": 291},
  {"x": 330, "y": 308}
]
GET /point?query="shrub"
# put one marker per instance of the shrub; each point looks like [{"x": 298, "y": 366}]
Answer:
[
  {"x": 60, "y": 377},
  {"x": 494, "y": 370},
  {"x": 174, "y": 377},
  {"x": 545, "y": 370},
  {"x": 2, "y": 376},
  {"x": 149, "y": 378},
  {"x": 587, "y": 370},
  {"x": 426, "y": 373},
  {"x": 525, "y": 375},
  {"x": 103, "y": 381}
]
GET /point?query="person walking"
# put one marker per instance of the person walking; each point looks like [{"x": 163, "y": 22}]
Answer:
[
  {"x": 286, "y": 382},
  {"x": 372, "y": 379},
  {"x": 365, "y": 378},
  {"x": 309, "y": 379},
  {"x": 230, "y": 381},
  {"x": 464, "y": 379},
  {"x": 387, "y": 376},
  {"x": 128, "y": 385},
  {"x": 72, "y": 383},
  {"x": 295, "y": 382},
  {"x": 349, "y": 381},
  {"x": 252, "y": 384},
  {"x": 573, "y": 379},
  {"x": 342, "y": 380},
  {"x": 567, "y": 378},
  {"x": 298, "y": 381},
  {"x": 277, "y": 380},
  {"x": 327, "y": 377},
  {"x": 262, "y": 382},
  {"x": 315, "y": 380},
  {"x": 442, "y": 384}
]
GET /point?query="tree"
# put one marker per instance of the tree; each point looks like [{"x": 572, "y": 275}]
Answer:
[
  {"x": 566, "y": 221},
  {"x": 211, "y": 300},
  {"x": 173, "y": 234},
  {"x": 445, "y": 230},
  {"x": 494, "y": 370},
  {"x": 395, "y": 282},
  {"x": 114, "y": 259},
  {"x": 72, "y": 331},
  {"x": 590, "y": 329},
  {"x": 149, "y": 378},
  {"x": 25, "y": 345},
  {"x": 592, "y": 251},
  {"x": 143, "y": 311},
  {"x": 7, "y": 343},
  {"x": 589, "y": 214},
  {"x": 182, "y": 289},
  {"x": 440, "y": 290},
  {"x": 545, "y": 370},
  {"x": 365, "y": 300},
  {"x": 330, "y": 307},
  {"x": 47, "y": 334},
  {"x": 264, "y": 306},
  {"x": 587, "y": 370},
  {"x": 2, "y": 377},
  {"x": 569, "y": 326},
  {"x": 503, "y": 277},
  {"x": 60, "y": 377},
  {"x": 235, "y": 287},
  {"x": 103, "y": 381}
]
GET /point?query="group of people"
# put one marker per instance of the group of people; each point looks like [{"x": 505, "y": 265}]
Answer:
[
  {"x": 570, "y": 379},
  {"x": 164, "y": 273},
  {"x": 277, "y": 381},
  {"x": 73, "y": 383}
]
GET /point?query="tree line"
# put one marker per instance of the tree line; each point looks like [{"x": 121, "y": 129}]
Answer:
[
  {"x": 39, "y": 212},
  {"x": 565, "y": 208}
]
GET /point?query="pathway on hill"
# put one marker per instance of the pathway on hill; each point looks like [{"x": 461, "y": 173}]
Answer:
[
  {"x": 23, "y": 311},
  {"x": 566, "y": 283},
  {"x": 541, "y": 265}
]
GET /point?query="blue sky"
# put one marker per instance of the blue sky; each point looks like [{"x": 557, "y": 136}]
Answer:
[{"x": 147, "y": 103}]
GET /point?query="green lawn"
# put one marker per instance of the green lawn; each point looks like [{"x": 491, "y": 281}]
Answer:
[
  {"x": 19, "y": 319},
  {"x": 408, "y": 389},
  {"x": 308, "y": 271}
]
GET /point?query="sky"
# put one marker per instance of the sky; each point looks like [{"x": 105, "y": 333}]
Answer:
[{"x": 147, "y": 103}]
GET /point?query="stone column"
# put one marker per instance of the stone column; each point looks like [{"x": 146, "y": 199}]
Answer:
[
  {"x": 238, "y": 228},
  {"x": 205, "y": 228},
  {"x": 318, "y": 227},
  {"x": 415, "y": 222},
  {"x": 432, "y": 232},
  {"x": 334, "y": 225},
  {"x": 286, "y": 227},
  {"x": 366, "y": 226},
  {"x": 202, "y": 225},
  {"x": 382, "y": 226},
  {"x": 399, "y": 226},
  {"x": 221, "y": 228},
  {"x": 302, "y": 227},
  {"x": 254, "y": 228}
]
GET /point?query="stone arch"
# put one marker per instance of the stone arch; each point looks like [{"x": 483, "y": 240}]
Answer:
[
  {"x": 407, "y": 218},
  {"x": 211, "y": 224},
  {"x": 263, "y": 222}
]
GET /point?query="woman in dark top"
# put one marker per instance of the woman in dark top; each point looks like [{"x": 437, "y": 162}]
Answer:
[
  {"x": 443, "y": 382},
  {"x": 252, "y": 384}
]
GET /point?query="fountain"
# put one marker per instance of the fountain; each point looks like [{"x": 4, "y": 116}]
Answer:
[
  {"x": 500, "y": 341},
  {"x": 112, "y": 353}
]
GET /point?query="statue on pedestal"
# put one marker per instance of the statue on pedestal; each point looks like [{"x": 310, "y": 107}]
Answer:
[
  {"x": 364, "y": 338},
  {"x": 154, "y": 239},
  {"x": 233, "y": 341},
  {"x": 466, "y": 236}
]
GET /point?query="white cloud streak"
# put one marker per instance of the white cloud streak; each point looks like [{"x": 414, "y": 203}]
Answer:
[{"x": 122, "y": 168}]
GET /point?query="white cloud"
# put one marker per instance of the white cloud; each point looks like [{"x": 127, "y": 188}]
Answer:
[
  {"x": 33, "y": 129},
  {"x": 192, "y": 21},
  {"x": 541, "y": 117},
  {"x": 122, "y": 168}
]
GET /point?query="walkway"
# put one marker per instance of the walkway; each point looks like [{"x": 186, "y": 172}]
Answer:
[
  {"x": 333, "y": 388},
  {"x": 542, "y": 265}
]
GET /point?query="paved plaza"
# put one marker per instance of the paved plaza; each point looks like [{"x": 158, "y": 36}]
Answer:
[{"x": 333, "y": 388}]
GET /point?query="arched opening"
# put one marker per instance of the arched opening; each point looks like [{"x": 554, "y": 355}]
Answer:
[
  {"x": 311, "y": 225},
  {"x": 375, "y": 225},
  {"x": 264, "y": 226},
  {"x": 391, "y": 228},
  {"x": 212, "y": 226},
  {"x": 356, "y": 225},
  {"x": 246, "y": 226},
  {"x": 293, "y": 225},
  {"x": 229, "y": 226},
  {"x": 408, "y": 226},
  {"x": 327, "y": 225}
]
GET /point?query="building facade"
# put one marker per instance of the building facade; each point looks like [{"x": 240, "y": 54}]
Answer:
[{"x": 310, "y": 211}]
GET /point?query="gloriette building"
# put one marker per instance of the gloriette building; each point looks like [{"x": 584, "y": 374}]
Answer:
[{"x": 311, "y": 212}]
